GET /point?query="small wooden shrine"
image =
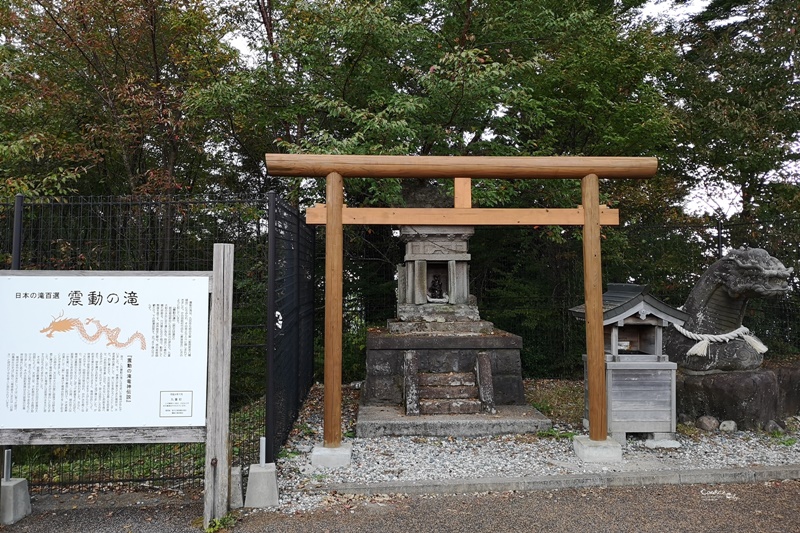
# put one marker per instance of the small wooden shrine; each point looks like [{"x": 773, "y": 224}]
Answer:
[{"x": 640, "y": 379}]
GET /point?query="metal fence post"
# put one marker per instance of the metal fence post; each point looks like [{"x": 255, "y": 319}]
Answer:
[
  {"x": 297, "y": 288},
  {"x": 719, "y": 238},
  {"x": 16, "y": 263},
  {"x": 16, "y": 250},
  {"x": 272, "y": 238}
]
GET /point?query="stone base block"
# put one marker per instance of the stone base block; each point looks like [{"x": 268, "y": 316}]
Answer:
[
  {"x": 441, "y": 353},
  {"x": 383, "y": 421},
  {"x": 262, "y": 486},
  {"x": 15, "y": 501},
  {"x": 332, "y": 457},
  {"x": 597, "y": 451},
  {"x": 751, "y": 398}
]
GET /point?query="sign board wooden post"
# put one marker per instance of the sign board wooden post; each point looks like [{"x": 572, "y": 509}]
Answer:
[
  {"x": 591, "y": 215},
  {"x": 133, "y": 357},
  {"x": 218, "y": 459}
]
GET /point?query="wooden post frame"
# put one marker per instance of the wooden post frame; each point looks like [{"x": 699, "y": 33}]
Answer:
[
  {"x": 591, "y": 215},
  {"x": 593, "y": 291},
  {"x": 214, "y": 432},
  {"x": 334, "y": 264}
]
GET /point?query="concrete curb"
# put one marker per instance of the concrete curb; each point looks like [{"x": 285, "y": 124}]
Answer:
[{"x": 573, "y": 481}]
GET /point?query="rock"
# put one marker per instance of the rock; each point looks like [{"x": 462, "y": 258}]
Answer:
[
  {"x": 727, "y": 426},
  {"x": 707, "y": 423},
  {"x": 773, "y": 427},
  {"x": 685, "y": 419}
]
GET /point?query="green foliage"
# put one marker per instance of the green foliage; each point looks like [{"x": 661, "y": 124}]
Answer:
[
  {"x": 736, "y": 93},
  {"x": 221, "y": 524},
  {"x": 95, "y": 95}
]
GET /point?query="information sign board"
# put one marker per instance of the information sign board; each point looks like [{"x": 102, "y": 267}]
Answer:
[{"x": 103, "y": 351}]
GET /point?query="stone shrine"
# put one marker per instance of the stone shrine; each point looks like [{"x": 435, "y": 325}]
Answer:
[{"x": 438, "y": 356}]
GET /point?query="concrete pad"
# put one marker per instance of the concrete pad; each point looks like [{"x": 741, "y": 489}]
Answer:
[
  {"x": 382, "y": 421},
  {"x": 662, "y": 443},
  {"x": 597, "y": 451},
  {"x": 262, "y": 486},
  {"x": 332, "y": 457},
  {"x": 15, "y": 501}
]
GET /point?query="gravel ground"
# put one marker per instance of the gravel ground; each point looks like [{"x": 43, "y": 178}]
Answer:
[
  {"x": 308, "y": 495},
  {"x": 391, "y": 459}
]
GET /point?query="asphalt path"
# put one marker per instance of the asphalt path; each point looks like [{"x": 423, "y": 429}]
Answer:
[{"x": 755, "y": 507}]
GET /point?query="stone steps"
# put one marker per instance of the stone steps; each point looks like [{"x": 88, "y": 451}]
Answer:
[
  {"x": 447, "y": 379},
  {"x": 448, "y": 393},
  {"x": 449, "y": 406}
]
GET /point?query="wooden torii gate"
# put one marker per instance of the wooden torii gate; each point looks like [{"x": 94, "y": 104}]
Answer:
[{"x": 591, "y": 215}]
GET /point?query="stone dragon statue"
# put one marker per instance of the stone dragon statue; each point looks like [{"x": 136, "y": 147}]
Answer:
[{"x": 713, "y": 338}]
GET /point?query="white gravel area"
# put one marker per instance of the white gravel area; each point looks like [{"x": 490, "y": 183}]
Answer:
[{"x": 303, "y": 487}]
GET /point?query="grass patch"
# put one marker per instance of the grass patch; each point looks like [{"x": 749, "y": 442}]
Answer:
[
  {"x": 560, "y": 400},
  {"x": 553, "y": 433},
  {"x": 688, "y": 431},
  {"x": 219, "y": 525}
]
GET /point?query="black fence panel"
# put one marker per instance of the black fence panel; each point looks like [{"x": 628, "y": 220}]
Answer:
[
  {"x": 293, "y": 266},
  {"x": 172, "y": 233}
]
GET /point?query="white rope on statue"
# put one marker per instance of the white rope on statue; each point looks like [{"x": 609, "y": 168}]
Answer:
[{"x": 705, "y": 339}]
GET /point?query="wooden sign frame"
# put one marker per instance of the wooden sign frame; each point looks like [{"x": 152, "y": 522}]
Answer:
[
  {"x": 215, "y": 433},
  {"x": 591, "y": 215}
]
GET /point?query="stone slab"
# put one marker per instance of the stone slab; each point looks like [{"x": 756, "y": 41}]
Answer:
[
  {"x": 597, "y": 451},
  {"x": 15, "y": 501},
  {"x": 382, "y": 421},
  {"x": 662, "y": 443},
  {"x": 325, "y": 457},
  {"x": 262, "y": 486}
]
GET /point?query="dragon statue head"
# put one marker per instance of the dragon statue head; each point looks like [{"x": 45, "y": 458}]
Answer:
[{"x": 752, "y": 273}]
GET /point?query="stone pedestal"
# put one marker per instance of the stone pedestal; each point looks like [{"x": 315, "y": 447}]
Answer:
[
  {"x": 751, "y": 398},
  {"x": 15, "y": 501},
  {"x": 441, "y": 353},
  {"x": 597, "y": 451}
]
